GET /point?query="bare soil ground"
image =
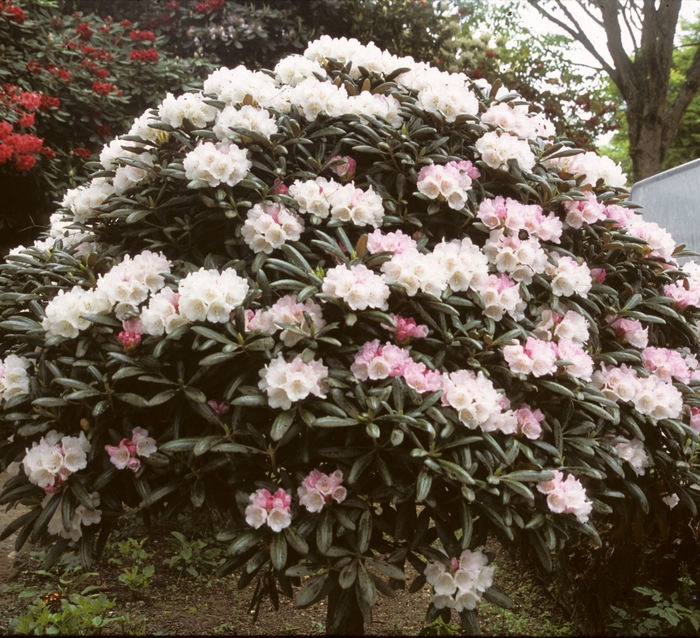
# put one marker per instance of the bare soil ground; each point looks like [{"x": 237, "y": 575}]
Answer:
[{"x": 178, "y": 604}]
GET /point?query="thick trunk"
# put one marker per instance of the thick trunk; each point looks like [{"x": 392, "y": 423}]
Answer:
[
  {"x": 343, "y": 616},
  {"x": 645, "y": 135}
]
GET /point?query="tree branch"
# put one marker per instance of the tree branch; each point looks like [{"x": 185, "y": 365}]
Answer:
[
  {"x": 674, "y": 113},
  {"x": 577, "y": 34}
]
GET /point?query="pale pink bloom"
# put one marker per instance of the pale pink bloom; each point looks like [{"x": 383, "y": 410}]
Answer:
[
  {"x": 220, "y": 408},
  {"x": 273, "y": 509},
  {"x": 406, "y": 329},
  {"x": 343, "y": 166},
  {"x": 529, "y": 422},
  {"x": 396, "y": 242},
  {"x": 629, "y": 330}
]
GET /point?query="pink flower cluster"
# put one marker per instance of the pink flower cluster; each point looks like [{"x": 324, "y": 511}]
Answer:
[
  {"x": 125, "y": 454},
  {"x": 414, "y": 271},
  {"x": 501, "y": 294},
  {"x": 585, "y": 211},
  {"x": 374, "y": 361},
  {"x": 686, "y": 292},
  {"x": 650, "y": 395},
  {"x": 634, "y": 453},
  {"x": 273, "y": 509},
  {"x": 448, "y": 183},
  {"x": 406, "y": 329},
  {"x": 529, "y": 422},
  {"x": 50, "y": 462},
  {"x": 396, "y": 242},
  {"x": 668, "y": 364},
  {"x": 538, "y": 358},
  {"x": 287, "y": 310},
  {"x": 357, "y": 286},
  {"x": 510, "y": 214},
  {"x": 629, "y": 330},
  {"x": 520, "y": 258},
  {"x": 318, "y": 489},
  {"x": 566, "y": 496}
]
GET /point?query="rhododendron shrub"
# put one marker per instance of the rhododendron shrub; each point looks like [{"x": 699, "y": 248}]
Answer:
[{"x": 462, "y": 333}]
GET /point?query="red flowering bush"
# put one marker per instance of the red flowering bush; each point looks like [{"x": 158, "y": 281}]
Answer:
[{"x": 75, "y": 81}]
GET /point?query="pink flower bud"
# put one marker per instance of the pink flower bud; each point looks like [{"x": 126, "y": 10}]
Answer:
[
  {"x": 278, "y": 188},
  {"x": 130, "y": 341},
  {"x": 598, "y": 275},
  {"x": 220, "y": 408},
  {"x": 343, "y": 166}
]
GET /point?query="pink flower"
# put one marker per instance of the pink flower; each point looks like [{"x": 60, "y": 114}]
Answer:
[
  {"x": 343, "y": 166},
  {"x": 529, "y": 422},
  {"x": 629, "y": 330},
  {"x": 220, "y": 408},
  {"x": 318, "y": 489},
  {"x": 273, "y": 509},
  {"x": 124, "y": 455},
  {"x": 406, "y": 329}
]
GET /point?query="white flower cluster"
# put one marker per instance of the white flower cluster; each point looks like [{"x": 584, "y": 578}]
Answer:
[
  {"x": 572, "y": 325},
  {"x": 461, "y": 584},
  {"x": 296, "y": 68},
  {"x": 50, "y": 462},
  {"x": 269, "y": 226},
  {"x": 566, "y": 496},
  {"x": 323, "y": 197},
  {"x": 162, "y": 315},
  {"x": 247, "y": 117},
  {"x": 595, "y": 167},
  {"x": 129, "y": 283},
  {"x": 13, "y": 376},
  {"x": 497, "y": 149},
  {"x": 64, "y": 313},
  {"x": 634, "y": 453},
  {"x": 233, "y": 86},
  {"x": 357, "y": 286},
  {"x": 414, "y": 271},
  {"x": 659, "y": 239},
  {"x": 477, "y": 402},
  {"x": 126, "y": 176},
  {"x": 569, "y": 277},
  {"x": 464, "y": 265},
  {"x": 210, "y": 295},
  {"x": 214, "y": 164},
  {"x": 287, "y": 383},
  {"x": 82, "y": 516},
  {"x": 514, "y": 118},
  {"x": 188, "y": 106},
  {"x": 501, "y": 295},
  {"x": 83, "y": 200},
  {"x": 521, "y": 259},
  {"x": 287, "y": 310}
]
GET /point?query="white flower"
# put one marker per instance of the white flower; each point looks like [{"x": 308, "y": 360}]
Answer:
[
  {"x": 210, "y": 295},
  {"x": 286, "y": 383},
  {"x": 214, "y": 164}
]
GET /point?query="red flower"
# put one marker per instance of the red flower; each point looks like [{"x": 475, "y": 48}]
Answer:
[
  {"x": 25, "y": 162},
  {"x": 49, "y": 103},
  {"x": 26, "y": 144},
  {"x": 102, "y": 88},
  {"x": 104, "y": 28},
  {"x": 48, "y": 152},
  {"x": 84, "y": 31},
  {"x": 143, "y": 35},
  {"x": 100, "y": 73},
  {"x": 82, "y": 152},
  {"x": 72, "y": 44},
  {"x": 103, "y": 130},
  {"x": 64, "y": 76},
  {"x": 57, "y": 22},
  {"x": 27, "y": 120},
  {"x": 34, "y": 67},
  {"x": 6, "y": 152},
  {"x": 16, "y": 14},
  {"x": 173, "y": 5},
  {"x": 126, "y": 23},
  {"x": 149, "y": 55},
  {"x": 5, "y": 130},
  {"x": 153, "y": 23},
  {"x": 30, "y": 101}
]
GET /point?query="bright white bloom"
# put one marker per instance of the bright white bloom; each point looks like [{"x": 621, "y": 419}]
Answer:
[
  {"x": 296, "y": 68},
  {"x": 286, "y": 383},
  {"x": 461, "y": 585},
  {"x": 13, "y": 376},
  {"x": 83, "y": 200},
  {"x": 569, "y": 277},
  {"x": 233, "y": 86},
  {"x": 595, "y": 167},
  {"x": 269, "y": 226},
  {"x": 357, "y": 286},
  {"x": 247, "y": 117},
  {"x": 497, "y": 149},
  {"x": 416, "y": 271},
  {"x": 188, "y": 106},
  {"x": 64, "y": 313},
  {"x": 214, "y": 164},
  {"x": 463, "y": 263},
  {"x": 566, "y": 496},
  {"x": 162, "y": 314},
  {"x": 50, "y": 462},
  {"x": 210, "y": 295}
]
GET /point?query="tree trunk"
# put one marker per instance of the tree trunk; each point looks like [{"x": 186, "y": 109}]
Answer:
[{"x": 343, "y": 616}]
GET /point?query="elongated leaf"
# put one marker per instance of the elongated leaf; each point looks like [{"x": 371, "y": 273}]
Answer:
[
  {"x": 278, "y": 551},
  {"x": 311, "y": 589}
]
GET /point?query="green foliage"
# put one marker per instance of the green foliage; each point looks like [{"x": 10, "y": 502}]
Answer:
[
  {"x": 77, "y": 615},
  {"x": 191, "y": 556},
  {"x": 676, "y": 614},
  {"x": 136, "y": 575},
  {"x": 440, "y": 628}
]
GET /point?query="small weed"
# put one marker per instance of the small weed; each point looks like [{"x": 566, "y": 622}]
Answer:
[
  {"x": 225, "y": 629},
  {"x": 318, "y": 627},
  {"x": 191, "y": 556},
  {"x": 136, "y": 576}
]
